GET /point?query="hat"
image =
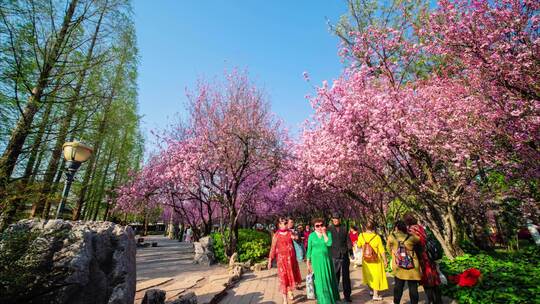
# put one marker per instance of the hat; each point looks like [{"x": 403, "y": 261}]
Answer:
[{"x": 335, "y": 216}]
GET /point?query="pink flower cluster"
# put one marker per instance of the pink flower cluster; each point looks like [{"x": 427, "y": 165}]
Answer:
[
  {"x": 420, "y": 116},
  {"x": 220, "y": 163}
]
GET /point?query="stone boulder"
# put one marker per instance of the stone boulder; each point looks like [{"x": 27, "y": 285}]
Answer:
[
  {"x": 235, "y": 274},
  {"x": 233, "y": 264},
  {"x": 204, "y": 251},
  {"x": 188, "y": 298},
  {"x": 154, "y": 296},
  {"x": 232, "y": 259},
  {"x": 59, "y": 261},
  {"x": 157, "y": 296},
  {"x": 260, "y": 266}
]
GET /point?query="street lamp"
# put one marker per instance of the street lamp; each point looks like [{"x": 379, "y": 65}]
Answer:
[{"x": 75, "y": 153}]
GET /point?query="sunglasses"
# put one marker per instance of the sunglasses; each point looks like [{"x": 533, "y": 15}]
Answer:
[{"x": 319, "y": 225}]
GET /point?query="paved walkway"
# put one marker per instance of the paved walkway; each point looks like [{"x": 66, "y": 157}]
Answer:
[
  {"x": 263, "y": 287},
  {"x": 169, "y": 259},
  {"x": 169, "y": 267}
]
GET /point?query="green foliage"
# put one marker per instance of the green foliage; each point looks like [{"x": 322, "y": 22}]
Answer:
[
  {"x": 89, "y": 94},
  {"x": 13, "y": 277},
  {"x": 25, "y": 272},
  {"x": 507, "y": 277},
  {"x": 470, "y": 247},
  {"x": 252, "y": 245},
  {"x": 219, "y": 250}
]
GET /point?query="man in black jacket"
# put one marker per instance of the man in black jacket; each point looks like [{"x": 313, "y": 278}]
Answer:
[{"x": 341, "y": 244}]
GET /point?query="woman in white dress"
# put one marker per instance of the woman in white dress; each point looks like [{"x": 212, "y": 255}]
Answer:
[{"x": 189, "y": 234}]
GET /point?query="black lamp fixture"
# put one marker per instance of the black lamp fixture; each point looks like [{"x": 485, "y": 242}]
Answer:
[{"x": 75, "y": 153}]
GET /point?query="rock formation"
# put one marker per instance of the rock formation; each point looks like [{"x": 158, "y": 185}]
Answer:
[
  {"x": 204, "y": 251},
  {"x": 60, "y": 262}
]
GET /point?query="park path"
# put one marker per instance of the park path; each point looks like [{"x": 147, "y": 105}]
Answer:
[
  {"x": 169, "y": 267},
  {"x": 171, "y": 258},
  {"x": 263, "y": 287}
]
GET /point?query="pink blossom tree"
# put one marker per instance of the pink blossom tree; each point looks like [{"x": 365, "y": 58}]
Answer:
[
  {"x": 225, "y": 157},
  {"x": 493, "y": 47},
  {"x": 425, "y": 138},
  {"x": 241, "y": 145}
]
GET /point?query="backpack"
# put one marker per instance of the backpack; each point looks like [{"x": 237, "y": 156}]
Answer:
[
  {"x": 403, "y": 258},
  {"x": 433, "y": 249},
  {"x": 368, "y": 253}
]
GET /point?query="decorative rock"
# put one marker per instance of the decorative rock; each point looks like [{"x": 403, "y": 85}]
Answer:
[
  {"x": 154, "y": 296},
  {"x": 188, "y": 298},
  {"x": 204, "y": 252},
  {"x": 233, "y": 259},
  {"x": 259, "y": 266},
  {"x": 198, "y": 248},
  {"x": 236, "y": 272},
  {"x": 69, "y": 262},
  {"x": 207, "y": 242},
  {"x": 245, "y": 266}
]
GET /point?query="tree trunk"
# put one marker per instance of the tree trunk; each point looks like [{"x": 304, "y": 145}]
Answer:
[
  {"x": 221, "y": 222},
  {"x": 35, "y": 170},
  {"x": 54, "y": 188},
  {"x": 231, "y": 247},
  {"x": 99, "y": 140},
  {"x": 88, "y": 176},
  {"x": 29, "y": 170},
  {"x": 145, "y": 223},
  {"x": 104, "y": 179},
  {"x": 452, "y": 234},
  {"x": 181, "y": 232},
  {"x": 170, "y": 228},
  {"x": 209, "y": 224},
  {"x": 112, "y": 195},
  {"x": 44, "y": 201},
  {"x": 444, "y": 226},
  {"x": 22, "y": 128}
]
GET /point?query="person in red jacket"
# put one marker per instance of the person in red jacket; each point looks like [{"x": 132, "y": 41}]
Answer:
[
  {"x": 357, "y": 252},
  {"x": 353, "y": 234}
]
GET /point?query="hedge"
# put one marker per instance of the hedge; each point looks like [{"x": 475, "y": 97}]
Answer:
[{"x": 252, "y": 245}]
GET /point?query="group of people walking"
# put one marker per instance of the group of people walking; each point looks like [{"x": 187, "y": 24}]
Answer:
[{"x": 326, "y": 250}]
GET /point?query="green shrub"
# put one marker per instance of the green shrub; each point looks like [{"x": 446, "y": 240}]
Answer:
[
  {"x": 219, "y": 250},
  {"x": 252, "y": 245},
  {"x": 507, "y": 277},
  {"x": 25, "y": 272}
]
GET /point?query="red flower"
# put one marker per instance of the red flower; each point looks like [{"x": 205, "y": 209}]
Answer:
[{"x": 468, "y": 278}]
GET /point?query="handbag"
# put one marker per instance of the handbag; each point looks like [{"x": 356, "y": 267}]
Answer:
[
  {"x": 358, "y": 257},
  {"x": 310, "y": 287},
  {"x": 442, "y": 277}
]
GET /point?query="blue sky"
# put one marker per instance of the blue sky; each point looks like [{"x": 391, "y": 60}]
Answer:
[{"x": 276, "y": 41}]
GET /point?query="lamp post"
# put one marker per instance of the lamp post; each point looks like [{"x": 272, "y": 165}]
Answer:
[{"x": 75, "y": 153}]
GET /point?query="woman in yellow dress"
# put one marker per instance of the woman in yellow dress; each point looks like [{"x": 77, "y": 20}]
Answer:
[{"x": 373, "y": 261}]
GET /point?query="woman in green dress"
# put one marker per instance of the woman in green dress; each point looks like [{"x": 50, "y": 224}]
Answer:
[{"x": 319, "y": 261}]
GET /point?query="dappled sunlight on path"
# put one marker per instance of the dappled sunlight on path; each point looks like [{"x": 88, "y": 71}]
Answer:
[{"x": 263, "y": 287}]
